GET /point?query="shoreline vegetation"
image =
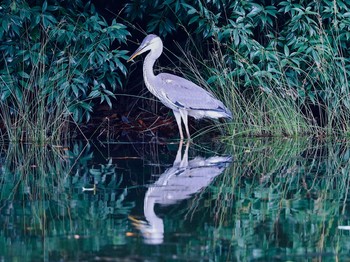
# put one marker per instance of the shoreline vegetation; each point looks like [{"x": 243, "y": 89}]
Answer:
[{"x": 282, "y": 68}]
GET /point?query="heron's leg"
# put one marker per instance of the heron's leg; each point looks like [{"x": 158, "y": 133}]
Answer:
[
  {"x": 178, "y": 121},
  {"x": 184, "y": 161},
  {"x": 178, "y": 154},
  {"x": 184, "y": 116}
]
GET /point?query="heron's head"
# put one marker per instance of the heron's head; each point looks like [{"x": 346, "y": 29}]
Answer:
[{"x": 150, "y": 42}]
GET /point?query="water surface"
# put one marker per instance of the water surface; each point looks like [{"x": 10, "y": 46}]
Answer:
[{"x": 256, "y": 199}]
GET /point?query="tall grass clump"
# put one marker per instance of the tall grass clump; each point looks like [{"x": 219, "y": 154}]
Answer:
[
  {"x": 288, "y": 82},
  {"x": 261, "y": 111},
  {"x": 282, "y": 67},
  {"x": 56, "y": 62}
]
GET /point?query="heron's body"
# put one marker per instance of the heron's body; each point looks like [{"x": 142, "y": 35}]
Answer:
[{"x": 184, "y": 97}]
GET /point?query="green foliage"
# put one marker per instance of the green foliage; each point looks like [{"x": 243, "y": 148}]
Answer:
[
  {"x": 56, "y": 60},
  {"x": 297, "y": 51},
  {"x": 160, "y": 12}
]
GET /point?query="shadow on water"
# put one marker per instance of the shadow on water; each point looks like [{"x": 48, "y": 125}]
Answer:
[{"x": 256, "y": 199}]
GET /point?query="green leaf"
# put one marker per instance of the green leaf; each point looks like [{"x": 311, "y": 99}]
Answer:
[
  {"x": 212, "y": 79},
  {"x": 193, "y": 19},
  {"x": 108, "y": 100},
  {"x": 75, "y": 90},
  {"x": 44, "y": 6},
  {"x": 190, "y": 9},
  {"x": 5, "y": 25},
  {"x": 256, "y": 9},
  {"x": 94, "y": 94},
  {"x": 24, "y": 74}
]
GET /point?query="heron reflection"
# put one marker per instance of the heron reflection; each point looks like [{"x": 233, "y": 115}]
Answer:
[{"x": 177, "y": 183}]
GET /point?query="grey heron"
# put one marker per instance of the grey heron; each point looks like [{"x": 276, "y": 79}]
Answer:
[{"x": 184, "y": 97}]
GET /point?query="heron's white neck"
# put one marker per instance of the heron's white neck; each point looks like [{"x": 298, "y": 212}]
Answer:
[
  {"x": 148, "y": 73},
  {"x": 154, "y": 232}
]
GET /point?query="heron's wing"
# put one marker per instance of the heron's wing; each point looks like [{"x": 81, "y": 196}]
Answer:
[{"x": 183, "y": 93}]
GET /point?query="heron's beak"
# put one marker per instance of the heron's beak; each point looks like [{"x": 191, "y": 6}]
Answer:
[
  {"x": 138, "y": 51},
  {"x": 135, "y": 54}
]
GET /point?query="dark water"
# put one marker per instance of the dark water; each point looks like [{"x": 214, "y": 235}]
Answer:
[{"x": 252, "y": 200}]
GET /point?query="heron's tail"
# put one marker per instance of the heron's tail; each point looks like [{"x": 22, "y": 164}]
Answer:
[{"x": 227, "y": 113}]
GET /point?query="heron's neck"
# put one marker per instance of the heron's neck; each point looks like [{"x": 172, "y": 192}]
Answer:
[
  {"x": 148, "y": 66},
  {"x": 148, "y": 73},
  {"x": 155, "y": 222}
]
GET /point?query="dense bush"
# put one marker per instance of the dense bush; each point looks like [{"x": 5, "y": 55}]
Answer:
[
  {"x": 269, "y": 60},
  {"x": 289, "y": 50},
  {"x": 56, "y": 61}
]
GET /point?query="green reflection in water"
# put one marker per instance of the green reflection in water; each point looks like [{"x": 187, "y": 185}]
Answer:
[
  {"x": 279, "y": 199},
  {"x": 44, "y": 211}
]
